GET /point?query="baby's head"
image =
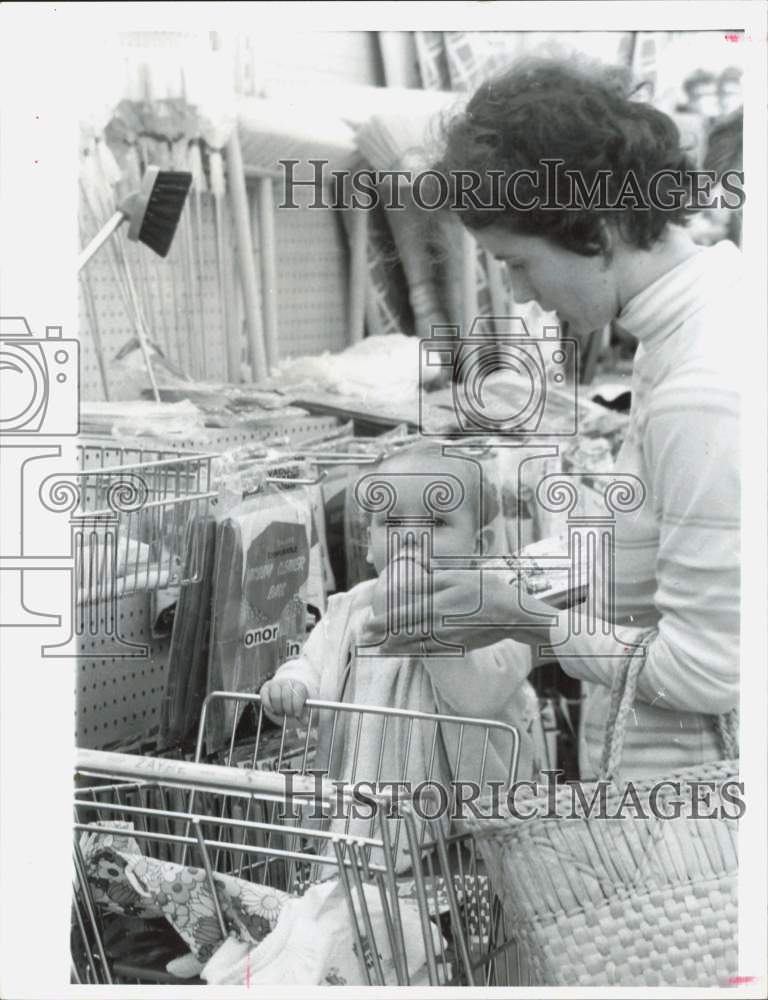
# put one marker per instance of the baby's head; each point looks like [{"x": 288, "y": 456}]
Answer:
[{"x": 463, "y": 531}]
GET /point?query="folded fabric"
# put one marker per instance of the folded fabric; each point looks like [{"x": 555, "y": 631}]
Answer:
[
  {"x": 314, "y": 944},
  {"x": 124, "y": 881}
]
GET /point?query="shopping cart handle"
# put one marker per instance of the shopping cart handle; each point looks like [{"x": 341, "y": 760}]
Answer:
[{"x": 214, "y": 777}]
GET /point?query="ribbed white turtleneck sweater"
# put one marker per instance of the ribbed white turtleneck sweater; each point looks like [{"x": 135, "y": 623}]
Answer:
[{"x": 677, "y": 562}]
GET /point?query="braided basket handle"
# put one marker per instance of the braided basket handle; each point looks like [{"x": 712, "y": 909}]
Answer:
[
  {"x": 622, "y": 699},
  {"x": 728, "y": 731}
]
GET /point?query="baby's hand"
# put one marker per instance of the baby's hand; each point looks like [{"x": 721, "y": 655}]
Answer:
[{"x": 283, "y": 697}]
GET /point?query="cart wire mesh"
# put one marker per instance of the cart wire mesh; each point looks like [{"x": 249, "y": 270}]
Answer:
[
  {"x": 137, "y": 518},
  {"x": 219, "y": 820}
]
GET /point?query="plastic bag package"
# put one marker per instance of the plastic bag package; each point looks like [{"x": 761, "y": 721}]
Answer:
[
  {"x": 356, "y": 522},
  {"x": 334, "y": 493},
  {"x": 260, "y": 596},
  {"x": 185, "y": 685},
  {"x": 321, "y": 577}
]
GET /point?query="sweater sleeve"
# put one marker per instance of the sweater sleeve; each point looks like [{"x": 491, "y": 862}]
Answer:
[
  {"x": 692, "y": 664},
  {"x": 482, "y": 684},
  {"x": 317, "y": 653}
]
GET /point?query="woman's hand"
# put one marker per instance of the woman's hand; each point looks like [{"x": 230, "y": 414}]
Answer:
[{"x": 503, "y": 611}]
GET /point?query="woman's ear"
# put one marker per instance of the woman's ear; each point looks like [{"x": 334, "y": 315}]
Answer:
[{"x": 607, "y": 237}]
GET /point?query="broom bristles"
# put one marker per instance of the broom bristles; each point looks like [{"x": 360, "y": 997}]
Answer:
[{"x": 163, "y": 211}]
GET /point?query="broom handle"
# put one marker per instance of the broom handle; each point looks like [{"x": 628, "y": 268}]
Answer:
[
  {"x": 229, "y": 329},
  {"x": 141, "y": 333},
  {"x": 245, "y": 255},
  {"x": 358, "y": 273},
  {"x": 99, "y": 239},
  {"x": 268, "y": 265}
]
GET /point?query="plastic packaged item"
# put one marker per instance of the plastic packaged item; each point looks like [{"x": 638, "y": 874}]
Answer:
[
  {"x": 259, "y": 597},
  {"x": 185, "y": 685}
]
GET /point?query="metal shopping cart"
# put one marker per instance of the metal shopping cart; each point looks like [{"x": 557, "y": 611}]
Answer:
[{"x": 221, "y": 817}]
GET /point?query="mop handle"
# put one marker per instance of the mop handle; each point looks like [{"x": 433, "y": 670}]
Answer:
[{"x": 100, "y": 239}]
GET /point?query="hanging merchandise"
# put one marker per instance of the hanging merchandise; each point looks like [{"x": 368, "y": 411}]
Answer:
[
  {"x": 131, "y": 165},
  {"x": 185, "y": 685},
  {"x": 356, "y": 521},
  {"x": 152, "y": 213},
  {"x": 334, "y": 488},
  {"x": 260, "y": 596},
  {"x": 321, "y": 579}
]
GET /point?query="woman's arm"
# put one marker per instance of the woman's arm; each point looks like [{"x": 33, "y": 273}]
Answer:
[
  {"x": 691, "y": 447},
  {"x": 307, "y": 667}
]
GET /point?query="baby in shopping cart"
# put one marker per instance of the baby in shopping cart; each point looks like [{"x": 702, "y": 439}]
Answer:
[{"x": 484, "y": 692}]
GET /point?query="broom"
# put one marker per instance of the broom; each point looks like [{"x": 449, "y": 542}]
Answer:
[
  {"x": 403, "y": 127},
  {"x": 398, "y": 135},
  {"x": 152, "y": 213}
]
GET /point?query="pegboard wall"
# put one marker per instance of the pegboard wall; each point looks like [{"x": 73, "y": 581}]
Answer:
[
  {"x": 312, "y": 281},
  {"x": 118, "y": 698},
  {"x": 187, "y": 313},
  {"x": 179, "y": 297},
  {"x": 190, "y": 317}
]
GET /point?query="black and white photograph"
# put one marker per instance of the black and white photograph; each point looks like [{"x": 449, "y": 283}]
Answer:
[{"x": 382, "y": 433}]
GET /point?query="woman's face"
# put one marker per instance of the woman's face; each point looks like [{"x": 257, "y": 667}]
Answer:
[{"x": 581, "y": 290}]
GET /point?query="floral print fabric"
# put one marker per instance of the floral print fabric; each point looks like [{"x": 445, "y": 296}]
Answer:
[
  {"x": 124, "y": 881},
  {"x": 271, "y": 937}
]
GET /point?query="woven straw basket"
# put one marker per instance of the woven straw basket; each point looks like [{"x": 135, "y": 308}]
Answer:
[{"x": 626, "y": 901}]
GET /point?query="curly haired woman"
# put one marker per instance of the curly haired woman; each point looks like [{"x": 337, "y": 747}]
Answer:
[{"x": 630, "y": 261}]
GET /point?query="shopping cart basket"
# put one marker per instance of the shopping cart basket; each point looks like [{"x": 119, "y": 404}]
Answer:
[{"x": 217, "y": 821}]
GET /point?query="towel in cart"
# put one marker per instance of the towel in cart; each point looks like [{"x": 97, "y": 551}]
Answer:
[{"x": 314, "y": 944}]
